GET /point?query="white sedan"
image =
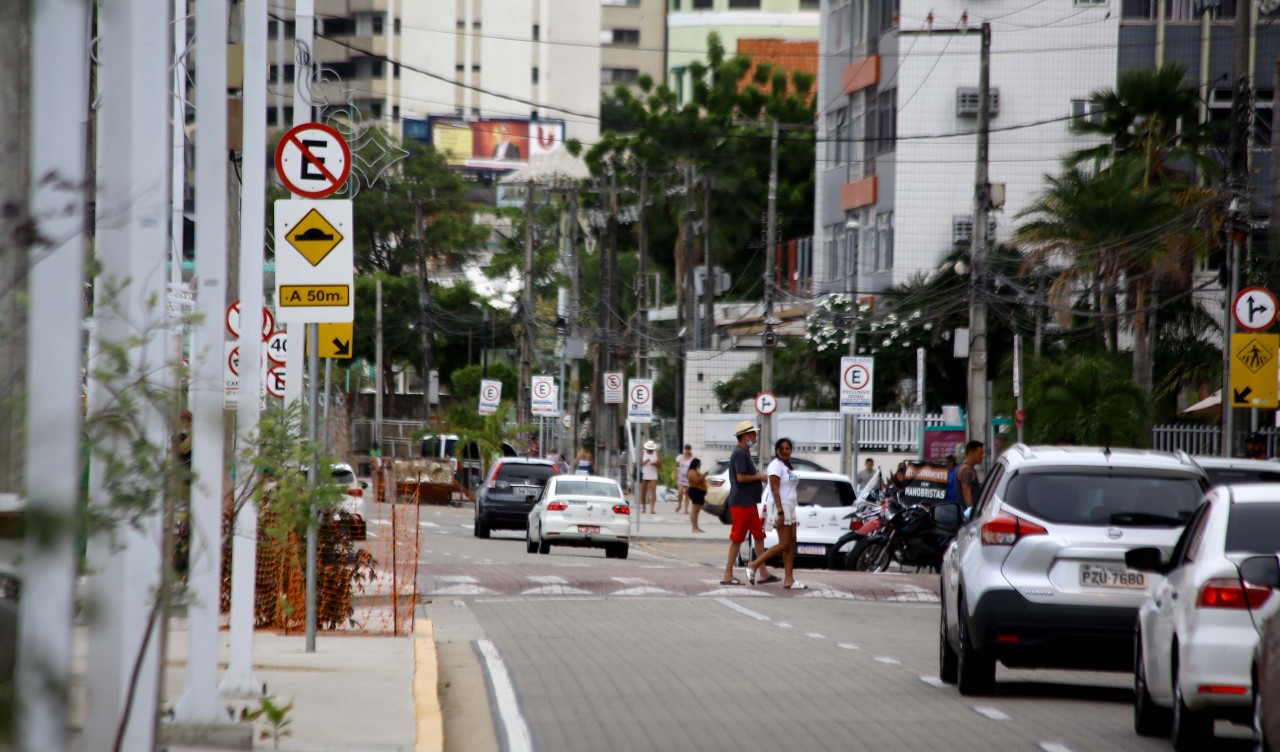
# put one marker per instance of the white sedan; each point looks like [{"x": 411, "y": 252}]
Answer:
[
  {"x": 1198, "y": 627},
  {"x": 586, "y": 511},
  {"x": 824, "y": 502}
]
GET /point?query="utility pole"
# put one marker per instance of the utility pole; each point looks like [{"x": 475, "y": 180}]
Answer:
[
  {"x": 424, "y": 312},
  {"x": 683, "y": 293},
  {"x": 708, "y": 284},
  {"x": 15, "y": 89},
  {"x": 575, "y": 312},
  {"x": 526, "y": 314},
  {"x": 979, "y": 420},
  {"x": 377, "y": 358},
  {"x": 1238, "y": 189},
  {"x": 770, "y": 272},
  {"x": 849, "y": 450},
  {"x": 642, "y": 302}
]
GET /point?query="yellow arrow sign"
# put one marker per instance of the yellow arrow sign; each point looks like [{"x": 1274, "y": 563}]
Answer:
[
  {"x": 314, "y": 237},
  {"x": 1255, "y": 370},
  {"x": 336, "y": 339}
]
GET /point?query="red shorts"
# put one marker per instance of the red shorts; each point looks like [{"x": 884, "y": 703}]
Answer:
[{"x": 746, "y": 520}]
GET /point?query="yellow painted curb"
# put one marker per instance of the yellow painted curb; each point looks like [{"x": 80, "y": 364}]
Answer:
[{"x": 426, "y": 693}]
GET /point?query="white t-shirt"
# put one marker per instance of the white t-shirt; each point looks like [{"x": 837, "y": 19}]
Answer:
[
  {"x": 649, "y": 465},
  {"x": 682, "y": 470},
  {"x": 787, "y": 482}
]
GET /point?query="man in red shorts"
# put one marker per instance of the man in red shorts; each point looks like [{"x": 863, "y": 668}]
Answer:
[{"x": 745, "y": 488}]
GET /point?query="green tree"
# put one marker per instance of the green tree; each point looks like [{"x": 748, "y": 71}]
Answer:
[
  {"x": 466, "y": 381},
  {"x": 1087, "y": 399},
  {"x": 488, "y": 432}
]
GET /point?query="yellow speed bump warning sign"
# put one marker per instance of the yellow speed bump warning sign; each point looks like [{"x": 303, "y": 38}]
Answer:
[
  {"x": 321, "y": 296},
  {"x": 315, "y": 264},
  {"x": 314, "y": 237},
  {"x": 1255, "y": 369}
]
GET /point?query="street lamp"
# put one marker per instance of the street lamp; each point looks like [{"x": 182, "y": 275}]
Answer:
[{"x": 851, "y": 287}]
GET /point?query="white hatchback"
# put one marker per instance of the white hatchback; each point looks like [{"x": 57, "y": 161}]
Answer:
[
  {"x": 585, "y": 511},
  {"x": 824, "y": 502},
  {"x": 1199, "y": 625}
]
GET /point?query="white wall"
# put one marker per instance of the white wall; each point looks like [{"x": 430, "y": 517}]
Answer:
[
  {"x": 571, "y": 78},
  {"x": 429, "y": 41},
  {"x": 703, "y": 369}
]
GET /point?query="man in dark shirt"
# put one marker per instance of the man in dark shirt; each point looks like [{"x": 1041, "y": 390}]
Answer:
[
  {"x": 967, "y": 475},
  {"x": 746, "y": 486}
]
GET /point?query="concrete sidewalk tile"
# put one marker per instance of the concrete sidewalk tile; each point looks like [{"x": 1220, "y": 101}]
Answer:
[{"x": 426, "y": 690}]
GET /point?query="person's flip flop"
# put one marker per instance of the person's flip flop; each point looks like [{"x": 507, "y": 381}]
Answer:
[
  {"x": 796, "y": 586},
  {"x": 770, "y": 580},
  {"x": 751, "y": 575},
  {"x": 734, "y": 581}
]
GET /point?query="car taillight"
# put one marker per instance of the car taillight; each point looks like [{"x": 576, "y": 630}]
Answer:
[
  {"x": 493, "y": 479},
  {"x": 716, "y": 482},
  {"x": 1227, "y": 593},
  {"x": 557, "y": 506},
  {"x": 621, "y": 509},
  {"x": 1005, "y": 530},
  {"x": 356, "y": 492}
]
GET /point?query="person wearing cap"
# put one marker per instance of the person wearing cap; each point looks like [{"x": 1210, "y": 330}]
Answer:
[
  {"x": 649, "y": 477},
  {"x": 682, "y": 480},
  {"x": 1255, "y": 447},
  {"x": 746, "y": 486}
]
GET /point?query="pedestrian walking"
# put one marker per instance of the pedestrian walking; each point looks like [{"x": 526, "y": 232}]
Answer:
[
  {"x": 780, "y": 495},
  {"x": 967, "y": 474},
  {"x": 697, "y": 492},
  {"x": 953, "y": 488},
  {"x": 555, "y": 456},
  {"x": 682, "y": 480},
  {"x": 746, "y": 487},
  {"x": 649, "y": 463},
  {"x": 583, "y": 462}
]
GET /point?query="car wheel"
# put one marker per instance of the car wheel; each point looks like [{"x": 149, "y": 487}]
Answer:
[
  {"x": 482, "y": 527},
  {"x": 1192, "y": 730},
  {"x": 529, "y": 545},
  {"x": 975, "y": 669},
  {"x": 544, "y": 547},
  {"x": 947, "y": 660},
  {"x": 838, "y": 555},
  {"x": 616, "y": 550},
  {"x": 1149, "y": 719}
]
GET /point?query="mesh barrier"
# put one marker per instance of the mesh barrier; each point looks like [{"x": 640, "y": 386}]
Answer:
[{"x": 366, "y": 573}]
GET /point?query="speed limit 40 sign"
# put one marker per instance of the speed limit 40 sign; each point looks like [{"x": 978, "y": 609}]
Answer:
[{"x": 640, "y": 400}]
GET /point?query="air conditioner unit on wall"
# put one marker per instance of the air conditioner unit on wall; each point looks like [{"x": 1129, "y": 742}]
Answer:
[
  {"x": 962, "y": 229},
  {"x": 967, "y": 101}
]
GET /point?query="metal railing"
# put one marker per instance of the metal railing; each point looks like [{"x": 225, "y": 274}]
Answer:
[
  {"x": 1194, "y": 439},
  {"x": 824, "y": 432}
]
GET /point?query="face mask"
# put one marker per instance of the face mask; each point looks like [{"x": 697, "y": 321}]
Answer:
[{"x": 750, "y": 443}]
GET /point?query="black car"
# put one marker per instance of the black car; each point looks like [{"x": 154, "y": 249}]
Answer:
[{"x": 509, "y": 492}]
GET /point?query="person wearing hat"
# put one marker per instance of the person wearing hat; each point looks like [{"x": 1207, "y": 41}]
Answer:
[
  {"x": 649, "y": 463},
  {"x": 682, "y": 480},
  {"x": 1255, "y": 447},
  {"x": 746, "y": 486}
]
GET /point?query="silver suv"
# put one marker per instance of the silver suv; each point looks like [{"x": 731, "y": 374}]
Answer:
[{"x": 1037, "y": 577}]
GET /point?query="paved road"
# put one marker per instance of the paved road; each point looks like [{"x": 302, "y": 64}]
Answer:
[{"x": 575, "y": 652}]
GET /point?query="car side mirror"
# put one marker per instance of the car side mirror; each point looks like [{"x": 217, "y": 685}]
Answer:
[
  {"x": 1261, "y": 570},
  {"x": 364, "y": 484},
  {"x": 1149, "y": 559}
]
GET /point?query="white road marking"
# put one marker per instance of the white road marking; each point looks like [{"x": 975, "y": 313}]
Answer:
[
  {"x": 371, "y": 535},
  {"x": 990, "y": 712},
  {"x": 514, "y": 727},
  {"x": 468, "y": 526},
  {"x": 848, "y": 646},
  {"x": 815, "y": 635},
  {"x": 642, "y": 590},
  {"x": 783, "y": 625},
  {"x": 547, "y": 579},
  {"x": 743, "y": 610},
  {"x": 933, "y": 681},
  {"x": 556, "y": 590},
  {"x": 736, "y": 592},
  {"x": 1054, "y": 747},
  {"x": 454, "y": 578},
  {"x": 427, "y": 524},
  {"x": 631, "y": 580},
  {"x": 887, "y": 660},
  {"x": 460, "y": 604},
  {"x": 463, "y": 589},
  {"x": 378, "y": 522}
]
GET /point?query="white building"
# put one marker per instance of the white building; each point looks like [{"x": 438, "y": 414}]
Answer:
[{"x": 897, "y": 117}]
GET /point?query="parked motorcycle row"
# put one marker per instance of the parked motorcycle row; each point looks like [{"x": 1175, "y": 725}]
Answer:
[{"x": 887, "y": 530}]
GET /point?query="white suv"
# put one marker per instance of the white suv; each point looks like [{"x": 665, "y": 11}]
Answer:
[{"x": 1037, "y": 577}]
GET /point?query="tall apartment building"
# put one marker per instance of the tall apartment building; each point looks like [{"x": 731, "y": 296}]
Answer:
[
  {"x": 633, "y": 42},
  {"x": 530, "y": 59},
  {"x": 690, "y": 21},
  {"x": 897, "y": 120}
]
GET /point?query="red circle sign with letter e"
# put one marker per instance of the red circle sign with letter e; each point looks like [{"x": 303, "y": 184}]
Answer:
[
  {"x": 1255, "y": 309},
  {"x": 313, "y": 160},
  {"x": 856, "y": 376}
]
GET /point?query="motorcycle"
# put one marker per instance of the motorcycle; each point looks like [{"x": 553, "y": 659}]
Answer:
[
  {"x": 911, "y": 536},
  {"x": 862, "y": 524}
]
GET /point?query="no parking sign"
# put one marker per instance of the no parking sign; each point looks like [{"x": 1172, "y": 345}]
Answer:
[
  {"x": 640, "y": 400},
  {"x": 856, "y": 378},
  {"x": 490, "y": 396}
]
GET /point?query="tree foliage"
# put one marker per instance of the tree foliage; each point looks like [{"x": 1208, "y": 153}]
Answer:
[{"x": 1086, "y": 399}]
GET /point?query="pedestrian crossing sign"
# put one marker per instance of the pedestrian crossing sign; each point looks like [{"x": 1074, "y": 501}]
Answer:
[{"x": 1254, "y": 370}]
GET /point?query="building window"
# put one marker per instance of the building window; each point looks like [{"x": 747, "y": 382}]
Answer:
[
  {"x": 537, "y": 32},
  {"x": 836, "y": 136},
  {"x": 841, "y": 25},
  {"x": 619, "y": 75},
  {"x": 459, "y": 68},
  {"x": 475, "y": 26},
  {"x": 1084, "y": 110},
  {"x": 475, "y": 69},
  {"x": 462, "y": 25},
  {"x": 395, "y": 112},
  {"x": 377, "y": 23},
  {"x": 395, "y": 26},
  {"x": 884, "y": 230},
  {"x": 620, "y": 37},
  {"x": 887, "y": 104},
  {"x": 702, "y": 4},
  {"x": 1262, "y": 109},
  {"x": 810, "y": 4},
  {"x": 535, "y": 75},
  {"x": 748, "y": 4}
]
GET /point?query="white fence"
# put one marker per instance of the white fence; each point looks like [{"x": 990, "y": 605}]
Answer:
[
  {"x": 824, "y": 432},
  {"x": 1194, "y": 439}
]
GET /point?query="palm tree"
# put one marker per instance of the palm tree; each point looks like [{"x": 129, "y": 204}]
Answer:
[
  {"x": 1087, "y": 400},
  {"x": 487, "y": 432}
]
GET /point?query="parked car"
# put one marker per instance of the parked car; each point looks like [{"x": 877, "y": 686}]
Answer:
[
  {"x": 718, "y": 485},
  {"x": 510, "y": 490},
  {"x": 824, "y": 502},
  {"x": 1266, "y": 670},
  {"x": 1037, "y": 577},
  {"x": 468, "y": 467},
  {"x": 1227, "y": 471},
  {"x": 585, "y": 511},
  {"x": 347, "y": 516},
  {"x": 1197, "y": 627}
]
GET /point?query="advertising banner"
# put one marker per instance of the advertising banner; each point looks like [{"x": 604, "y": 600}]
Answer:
[
  {"x": 926, "y": 482},
  {"x": 489, "y": 144}
]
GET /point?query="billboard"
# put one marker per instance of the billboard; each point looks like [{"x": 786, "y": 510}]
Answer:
[{"x": 488, "y": 143}]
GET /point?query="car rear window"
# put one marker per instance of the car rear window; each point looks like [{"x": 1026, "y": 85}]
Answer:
[
  {"x": 525, "y": 475},
  {"x": 588, "y": 488},
  {"x": 824, "y": 493},
  {"x": 1253, "y": 528},
  {"x": 345, "y": 477},
  {"x": 1098, "y": 499},
  {"x": 1226, "y": 476}
]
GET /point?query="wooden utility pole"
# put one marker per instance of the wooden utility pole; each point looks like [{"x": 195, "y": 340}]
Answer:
[
  {"x": 1238, "y": 189},
  {"x": 708, "y": 284},
  {"x": 523, "y": 413},
  {"x": 770, "y": 272},
  {"x": 979, "y": 421}
]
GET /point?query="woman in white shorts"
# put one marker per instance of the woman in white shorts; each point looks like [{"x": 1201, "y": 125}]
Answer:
[{"x": 780, "y": 502}]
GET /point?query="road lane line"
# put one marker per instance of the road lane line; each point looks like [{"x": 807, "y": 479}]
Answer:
[
  {"x": 848, "y": 646},
  {"x": 783, "y": 625},
  {"x": 815, "y": 635},
  {"x": 743, "y": 610},
  {"x": 990, "y": 712},
  {"x": 513, "y": 726},
  {"x": 1054, "y": 747},
  {"x": 888, "y": 661},
  {"x": 547, "y": 579},
  {"x": 933, "y": 681}
]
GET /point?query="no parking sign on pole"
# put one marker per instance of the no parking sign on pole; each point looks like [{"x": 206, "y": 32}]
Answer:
[
  {"x": 640, "y": 400},
  {"x": 856, "y": 378}
]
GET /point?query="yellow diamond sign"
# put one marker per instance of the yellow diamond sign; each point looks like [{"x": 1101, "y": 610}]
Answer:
[{"x": 314, "y": 237}]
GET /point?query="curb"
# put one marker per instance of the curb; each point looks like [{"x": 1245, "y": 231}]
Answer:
[{"x": 426, "y": 693}]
